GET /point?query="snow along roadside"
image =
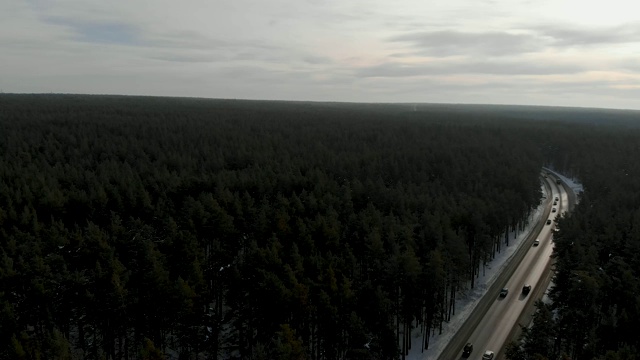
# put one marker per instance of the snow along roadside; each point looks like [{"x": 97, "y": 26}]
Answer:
[{"x": 467, "y": 300}]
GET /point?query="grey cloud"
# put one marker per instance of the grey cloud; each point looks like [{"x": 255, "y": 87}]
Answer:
[
  {"x": 467, "y": 67},
  {"x": 99, "y": 32},
  {"x": 448, "y": 43},
  {"x": 121, "y": 33},
  {"x": 314, "y": 60},
  {"x": 198, "y": 41},
  {"x": 517, "y": 68},
  {"x": 200, "y": 47},
  {"x": 632, "y": 65},
  {"x": 257, "y": 73},
  {"x": 187, "y": 58},
  {"x": 183, "y": 40},
  {"x": 242, "y": 54},
  {"x": 567, "y": 36},
  {"x": 536, "y": 38}
]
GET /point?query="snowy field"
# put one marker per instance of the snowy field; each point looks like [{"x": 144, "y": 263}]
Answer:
[{"x": 467, "y": 301}]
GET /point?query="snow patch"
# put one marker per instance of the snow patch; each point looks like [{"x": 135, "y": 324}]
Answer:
[{"x": 574, "y": 184}]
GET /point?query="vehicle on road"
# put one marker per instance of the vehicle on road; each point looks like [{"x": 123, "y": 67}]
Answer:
[
  {"x": 488, "y": 355},
  {"x": 467, "y": 350},
  {"x": 536, "y": 242},
  {"x": 555, "y": 203},
  {"x": 557, "y": 198},
  {"x": 526, "y": 289},
  {"x": 549, "y": 222},
  {"x": 504, "y": 292},
  {"x": 553, "y": 210}
]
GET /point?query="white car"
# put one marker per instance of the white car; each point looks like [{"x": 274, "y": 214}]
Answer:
[
  {"x": 536, "y": 242},
  {"x": 488, "y": 355}
]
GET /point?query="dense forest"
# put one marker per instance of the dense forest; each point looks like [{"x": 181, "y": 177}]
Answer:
[{"x": 172, "y": 228}]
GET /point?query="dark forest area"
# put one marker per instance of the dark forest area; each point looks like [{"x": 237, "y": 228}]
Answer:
[{"x": 176, "y": 228}]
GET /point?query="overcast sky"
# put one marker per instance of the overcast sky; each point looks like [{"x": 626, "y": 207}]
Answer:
[{"x": 534, "y": 52}]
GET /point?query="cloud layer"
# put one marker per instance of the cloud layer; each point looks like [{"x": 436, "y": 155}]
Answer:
[{"x": 461, "y": 51}]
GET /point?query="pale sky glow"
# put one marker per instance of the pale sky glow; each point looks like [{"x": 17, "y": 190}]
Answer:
[{"x": 530, "y": 52}]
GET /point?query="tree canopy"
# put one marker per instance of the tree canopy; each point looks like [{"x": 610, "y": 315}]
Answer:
[{"x": 149, "y": 228}]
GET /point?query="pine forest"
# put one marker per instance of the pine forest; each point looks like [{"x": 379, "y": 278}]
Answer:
[{"x": 184, "y": 228}]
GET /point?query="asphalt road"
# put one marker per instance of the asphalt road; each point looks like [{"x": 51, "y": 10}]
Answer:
[{"x": 494, "y": 329}]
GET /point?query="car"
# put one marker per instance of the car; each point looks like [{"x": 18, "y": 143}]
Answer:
[
  {"x": 555, "y": 203},
  {"x": 488, "y": 355},
  {"x": 526, "y": 289},
  {"x": 467, "y": 350},
  {"x": 536, "y": 242},
  {"x": 504, "y": 292},
  {"x": 549, "y": 222},
  {"x": 553, "y": 210},
  {"x": 557, "y": 198}
]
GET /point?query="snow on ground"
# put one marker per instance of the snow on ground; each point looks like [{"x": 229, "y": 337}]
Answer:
[
  {"x": 467, "y": 301},
  {"x": 574, "y": 184}
]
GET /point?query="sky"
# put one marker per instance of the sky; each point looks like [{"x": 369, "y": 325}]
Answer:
[{"x": 531, "y": 52}]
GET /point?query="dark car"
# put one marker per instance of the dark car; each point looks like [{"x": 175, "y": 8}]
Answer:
[
  {"x": 504, "y": 292},
  {"x": 553, "y": 210},
  {"x": 467, "y": 350},
  {"x": 526, "y": 289},
  {"x": 549, "y": 222}
]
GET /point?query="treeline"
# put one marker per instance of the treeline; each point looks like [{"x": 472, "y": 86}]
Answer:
[
  {"x": 595, "y": 309},
  {"x": 154, "y": 228}
]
